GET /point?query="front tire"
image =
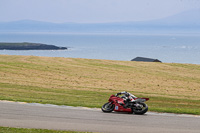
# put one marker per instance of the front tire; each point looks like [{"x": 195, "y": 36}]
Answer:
[
  {"x": 140, "y": 110},
  {"x": 108, "y": 107}
]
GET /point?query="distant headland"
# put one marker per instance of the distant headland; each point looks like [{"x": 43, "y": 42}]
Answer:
[{"x": 28, "y": 46}]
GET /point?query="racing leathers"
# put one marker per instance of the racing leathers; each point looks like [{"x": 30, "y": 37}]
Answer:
[{"x": 128, "y": 97}]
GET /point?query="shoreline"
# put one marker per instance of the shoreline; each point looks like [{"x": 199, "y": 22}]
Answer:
[{"x": 28, "y": 46}]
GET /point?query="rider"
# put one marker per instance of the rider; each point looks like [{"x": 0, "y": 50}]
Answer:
[{"x": 128, "y": 97}]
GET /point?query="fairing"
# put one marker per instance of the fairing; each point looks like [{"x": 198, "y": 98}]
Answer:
[
  {"x": 120, "y": 101},
  {"x": 117, "y": 101}
]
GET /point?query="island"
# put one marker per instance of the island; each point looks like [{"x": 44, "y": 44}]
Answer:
[{"x": 28, "y": 46}]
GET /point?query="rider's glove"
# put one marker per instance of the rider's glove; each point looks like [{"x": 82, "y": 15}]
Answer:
[{"x": 118, "y": 94}]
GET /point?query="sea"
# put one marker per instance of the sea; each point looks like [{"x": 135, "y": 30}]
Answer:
[{"x": 168, "y": 48}]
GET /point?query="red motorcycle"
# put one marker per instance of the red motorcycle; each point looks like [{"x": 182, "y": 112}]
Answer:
[{"x": 118, "y": 104}]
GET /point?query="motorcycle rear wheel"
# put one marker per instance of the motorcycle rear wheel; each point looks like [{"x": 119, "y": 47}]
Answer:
[
  {"x": 108, "y": 107},
  {"x": 140, "y": 110}
]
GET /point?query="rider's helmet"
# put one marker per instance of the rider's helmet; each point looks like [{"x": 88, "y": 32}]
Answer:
[{"x": 127, "y": 94}]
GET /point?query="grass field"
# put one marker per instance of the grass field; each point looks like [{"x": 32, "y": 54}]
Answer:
[
  {"x": 171, "y": 87},
  {"x": 23, "y": 130}
]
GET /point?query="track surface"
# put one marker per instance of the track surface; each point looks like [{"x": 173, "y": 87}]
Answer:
[{"x": 25, "y": 115}]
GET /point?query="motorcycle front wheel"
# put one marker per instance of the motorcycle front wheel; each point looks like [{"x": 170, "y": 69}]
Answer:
[
  {"x": 141, "y": 109},
  {"x": 108, "y": 107}
]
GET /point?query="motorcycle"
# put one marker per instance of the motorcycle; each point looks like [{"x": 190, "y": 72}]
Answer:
[{"x": 118, "y": 104}]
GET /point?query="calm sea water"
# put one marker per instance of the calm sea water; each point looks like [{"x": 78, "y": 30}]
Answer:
[{"x": 167, "y": 48}]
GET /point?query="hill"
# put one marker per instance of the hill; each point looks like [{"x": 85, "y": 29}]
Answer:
[
  {"x": 186, "y": 22},
  {"x": 187, "y": 18},
  {"x": 171, "y": 87}
]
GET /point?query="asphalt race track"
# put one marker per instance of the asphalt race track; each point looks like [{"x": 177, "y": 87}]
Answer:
[{"x": 15, "y": 114}]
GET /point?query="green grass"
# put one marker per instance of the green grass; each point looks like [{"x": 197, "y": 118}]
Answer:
[
  {"x": 23, "y": 130},
  {"x": 171, "y": 87},
  {"x": 54, "y": 96}
]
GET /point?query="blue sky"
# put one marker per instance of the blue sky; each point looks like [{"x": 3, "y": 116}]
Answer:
[{"x": 92, "y": 11}]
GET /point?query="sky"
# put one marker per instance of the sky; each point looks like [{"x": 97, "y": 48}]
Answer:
[{"x": 92, "y": 11}]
